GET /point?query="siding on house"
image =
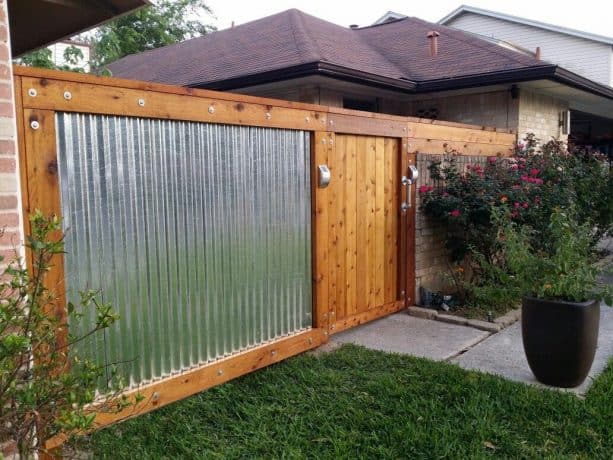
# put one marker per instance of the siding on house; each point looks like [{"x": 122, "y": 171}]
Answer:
[
  {"x": 57, "y": 54},
  {"x": 588, "y": 58}
]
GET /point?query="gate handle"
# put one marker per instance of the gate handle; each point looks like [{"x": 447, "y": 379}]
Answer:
[
  {"x": 406, "y": 182},
  {"x": 413, "y": 174}
]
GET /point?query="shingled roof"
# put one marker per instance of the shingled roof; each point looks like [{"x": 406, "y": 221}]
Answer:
[{"x": 290, "y": 44}]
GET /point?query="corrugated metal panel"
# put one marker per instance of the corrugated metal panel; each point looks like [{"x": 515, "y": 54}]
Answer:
[{"x": 198, "y": 234}]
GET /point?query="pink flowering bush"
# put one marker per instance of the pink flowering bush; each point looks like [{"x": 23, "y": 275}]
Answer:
[{"x": 530, "y": 184}]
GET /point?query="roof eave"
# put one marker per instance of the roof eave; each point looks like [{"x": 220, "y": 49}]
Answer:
[
  {"x": 546, "y": 71},
  {"x": 305, "y": 70},
  {"x": 491, "y": 78},
  {"x": 574, "y": 80}
]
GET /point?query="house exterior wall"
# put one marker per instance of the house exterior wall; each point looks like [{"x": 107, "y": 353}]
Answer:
[
  {"x": 57, "y": 54},
  {"x": 432, "y": 261},
  {"x": 11, "y": 236},
  {"x": 540, "y": 115},
  {"x": 497, "y": 109},
  {"x": 528, "y": 112},
  {"x": 586, "y": 57}
]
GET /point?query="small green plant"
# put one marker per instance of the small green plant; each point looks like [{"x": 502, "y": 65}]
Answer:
[
  {"x": 45, "y": 386},
  {"x": 567, "y": 272}
]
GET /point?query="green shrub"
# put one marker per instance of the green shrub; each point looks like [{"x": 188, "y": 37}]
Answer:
[
  {"x": 565, "y": 272},
  {"x": 532, "y": 183},
  {"x": 45, "y": 386}
]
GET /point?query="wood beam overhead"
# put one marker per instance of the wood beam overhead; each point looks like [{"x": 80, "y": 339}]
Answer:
[{"x": 38, "y": 23}]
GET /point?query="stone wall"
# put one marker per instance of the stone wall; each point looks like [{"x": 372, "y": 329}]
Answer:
[
  {"x": 540, "y": 115},
  {"x": 431, "y": 257},
  {"x": 10, "y": 201}
]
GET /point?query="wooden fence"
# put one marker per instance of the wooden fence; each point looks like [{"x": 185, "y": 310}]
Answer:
[{"x": 363, "y": 245}]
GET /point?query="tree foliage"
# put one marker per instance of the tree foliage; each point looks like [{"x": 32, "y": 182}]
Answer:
[
  {"x": 162, "y": 24},
  {"x": 43, "y": 57}
]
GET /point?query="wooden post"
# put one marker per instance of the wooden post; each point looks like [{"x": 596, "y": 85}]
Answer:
[{"x": 323, "y": 145}]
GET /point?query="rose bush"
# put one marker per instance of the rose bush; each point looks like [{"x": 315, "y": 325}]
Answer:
[
  {"x": 532, "y": 183},
  {"x": 529, "y": 186}
]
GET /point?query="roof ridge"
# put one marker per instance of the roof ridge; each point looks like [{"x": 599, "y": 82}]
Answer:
[{"x": 297, "y": 21}]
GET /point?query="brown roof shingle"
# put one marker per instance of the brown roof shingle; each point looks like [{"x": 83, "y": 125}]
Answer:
[{"x": 397, "y": 50}]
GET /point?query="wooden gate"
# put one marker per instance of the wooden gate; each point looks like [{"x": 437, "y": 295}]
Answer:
[{"x": 366, "y": 242}]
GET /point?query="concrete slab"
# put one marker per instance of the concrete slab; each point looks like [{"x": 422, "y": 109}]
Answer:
[
  {"x": 401, "y": 333},
  {"x": 503, "y": 354}
]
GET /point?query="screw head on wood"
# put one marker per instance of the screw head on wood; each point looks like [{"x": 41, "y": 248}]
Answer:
[
  {"x": 211, "y": 109},
  {"x": 141, "y": 102},
  {"x": 268, "y": 115},
  {"x": 32, "y": 92},
  {"x": 219, "y": 372},
  {"x": 155, "y": 397},
  {"x": 34, "y": 124},
  {"x": 307, "y": 119},
  {"x": 67, "y": 95}
]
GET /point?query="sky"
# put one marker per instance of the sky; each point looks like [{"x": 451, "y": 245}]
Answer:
[{"x": 594, "y": 16}]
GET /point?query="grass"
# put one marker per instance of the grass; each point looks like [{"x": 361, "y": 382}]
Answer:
[{"x": 357, "y": 403}]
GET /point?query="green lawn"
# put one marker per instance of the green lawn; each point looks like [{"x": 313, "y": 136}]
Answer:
[{"x": 357, "y": 403}]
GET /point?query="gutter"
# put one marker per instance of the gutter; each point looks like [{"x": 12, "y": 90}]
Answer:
[
  {"x": 484, "y": 79},
  {"x": 546, "y": 71}
]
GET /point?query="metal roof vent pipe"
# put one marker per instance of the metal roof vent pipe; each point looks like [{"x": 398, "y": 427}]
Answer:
[
  {"x": 433, "y": 36},
  {"x": 537, "y": 55}
]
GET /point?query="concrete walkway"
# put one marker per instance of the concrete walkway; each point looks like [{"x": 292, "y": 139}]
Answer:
[{"x": 500, "y": 353}]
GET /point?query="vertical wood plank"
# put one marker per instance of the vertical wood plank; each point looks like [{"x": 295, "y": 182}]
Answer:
[
  {"x": 379, "y": 221},
  {"x": 320, "y": 148},
  {"x": 350, "y": 222},
  {"x": 403, "y": 241},
  {"x": 336, "y": 231},
  {"x": 23, "y": 160},
  {"x": 369, "y": 216},
  {"x": 341, "y": 240},
  {"x": 43, "y": 188},
  {"x": 410, "y": 235},
  {"x": 391, "y": 219},
  {"x": 362, "y": 262}
]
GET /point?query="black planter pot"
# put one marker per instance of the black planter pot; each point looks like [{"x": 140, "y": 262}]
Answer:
[{"x": 560, "y": 339}]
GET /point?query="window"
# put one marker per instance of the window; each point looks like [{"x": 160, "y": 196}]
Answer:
[{"x": 366, "y": 105}]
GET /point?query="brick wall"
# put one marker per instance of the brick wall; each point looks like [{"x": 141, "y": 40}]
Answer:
[
  {"x": 540, "y": 115},
  {"x": 431, "y": 258},
  {"x": 10, "y": 203}
]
